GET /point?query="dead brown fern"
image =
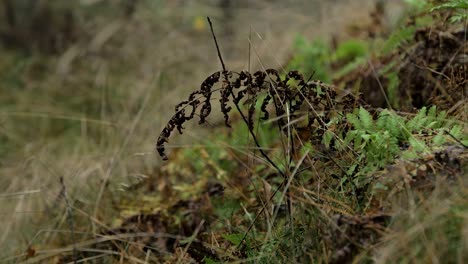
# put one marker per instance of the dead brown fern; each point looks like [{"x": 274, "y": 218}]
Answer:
[
  {"x": 244, "y": 88},
  {"x": 285, "y": 98}
]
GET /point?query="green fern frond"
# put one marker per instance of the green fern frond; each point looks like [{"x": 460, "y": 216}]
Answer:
[
  {"x": 417, "y": 145},
  {"x": 384, "y": 116},
  {"x": 452, "y": 4},
  {"x": 350, "y": 50},
  {"x": 353, "y": 119},
  {"x": 442, "y": 117},
  {"x": 366, "y": 119},
  {"x": 397, "y": 38},
  {"x": 456, "y": 131},
  {"x": 440, "y": 138},
  {"x": 432, "y": 112},
  {"x": 349, "y": 67},
  {"x": 392, "y": 88},
  {"x": 417, "y": 122},
  {"x": 459, "y": 5},
  {"x": 391, "y": 122},
  {"x": 459, "y": 18}
]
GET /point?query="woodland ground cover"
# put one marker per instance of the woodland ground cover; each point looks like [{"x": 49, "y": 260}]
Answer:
[{"x": 367, "y": 167}]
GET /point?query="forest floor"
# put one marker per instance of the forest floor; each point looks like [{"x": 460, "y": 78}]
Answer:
[{"x": 369, "y": 164}]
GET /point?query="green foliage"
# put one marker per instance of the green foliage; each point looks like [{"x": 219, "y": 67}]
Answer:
[
  {"x": 235, "y": 239},
  {"x": 351, "y": 54},
  {"x": 397, "y": 38},
  {"x": 327, "y": 138},
  {"x": 350, "y": 50},
  {"x": 311, "y": 58},
  {"x": 361, "y": 141},
  {"x": 416, "y": 4},
  {"x": 208, "y": 260},
  {"x": 379, "y": 141},
  {"x": 452, "y": 4},
  {"x": 392, "y": 88},
  {"x": 425, "y": 119},
  {"x": 317, "y": 57},
  {"x": 405, "y": 33},
  {"x": 349, "y": 67},
  {"x": 376, "y": 142},
  {"x": 391, "y": 122},
  {"x": 459, "y": 6},
  {"x": 215, "y": 152},
  {"x": 226, "y": 208}
]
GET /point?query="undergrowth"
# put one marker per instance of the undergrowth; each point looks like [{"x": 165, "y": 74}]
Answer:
[
  {"x": 304, "y": 171},
  {"x": 336, "y": 143}
]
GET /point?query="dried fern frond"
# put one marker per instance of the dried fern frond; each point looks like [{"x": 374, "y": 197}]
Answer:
[{"x": 292, "y": 91}]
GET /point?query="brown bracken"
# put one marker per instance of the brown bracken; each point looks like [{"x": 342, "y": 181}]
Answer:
[{"x": 245, "y": 88}]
